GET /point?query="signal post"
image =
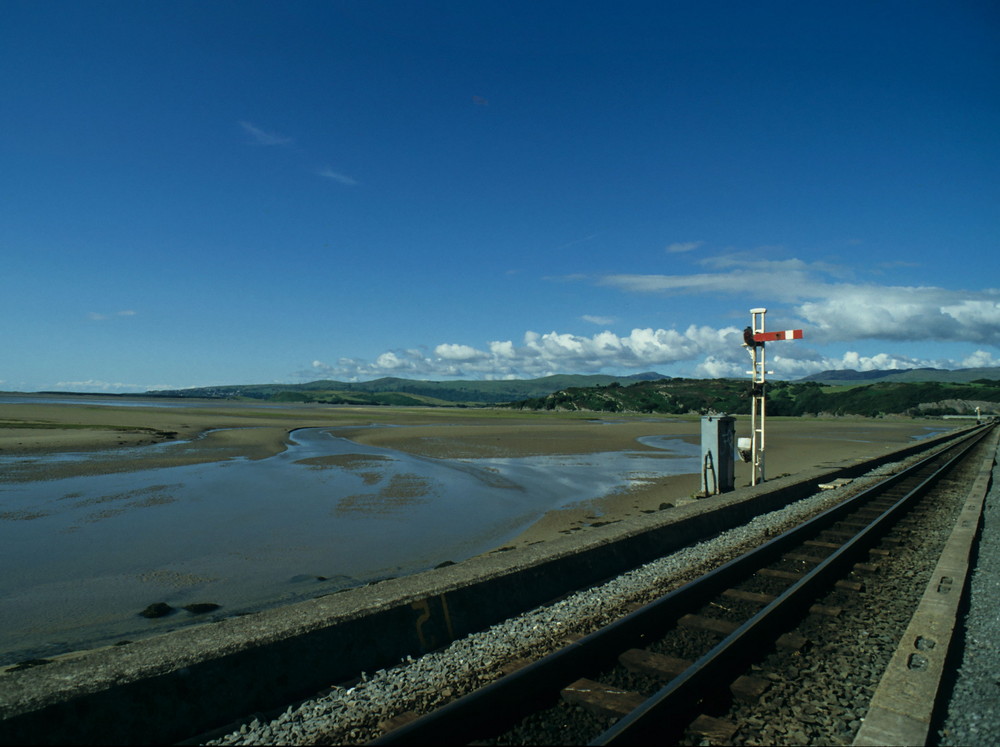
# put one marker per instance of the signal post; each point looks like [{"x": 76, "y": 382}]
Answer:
[{"x": 752, "y": 449}]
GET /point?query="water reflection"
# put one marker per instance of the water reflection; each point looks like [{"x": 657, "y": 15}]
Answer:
[{"x": 81, "y": 556}]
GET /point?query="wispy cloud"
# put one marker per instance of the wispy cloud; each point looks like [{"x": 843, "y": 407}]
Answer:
[
  {"x": 258, "y": 136},
  {"x": 784, "y": 279},
  {"x": 96, "y": 316},
  {"x": 262, "y": 137},
  {"x": 686, "y": 246},
  {"x": 336, "y": 176},
  {"x": 575, "y": 277},
  {"x": 574, "y": 242},
  {"x": 603, "y": 320}
]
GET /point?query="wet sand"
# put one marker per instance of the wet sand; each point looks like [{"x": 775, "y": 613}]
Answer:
[
  {"x": 793, "y": 445},
  {"x": 221, "y": 432},
  {"x": 201, "y": 533}
]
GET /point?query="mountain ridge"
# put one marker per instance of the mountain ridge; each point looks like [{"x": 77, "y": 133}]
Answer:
[
  {"x": 841, "y": 377},
  {"x": 399, "y": 391}
]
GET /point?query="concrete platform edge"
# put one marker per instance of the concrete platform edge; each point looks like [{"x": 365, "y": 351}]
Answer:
[{"x": 902, "y": 708}]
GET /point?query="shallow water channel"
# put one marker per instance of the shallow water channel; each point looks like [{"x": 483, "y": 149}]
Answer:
[{"x": 82, "y": 556}]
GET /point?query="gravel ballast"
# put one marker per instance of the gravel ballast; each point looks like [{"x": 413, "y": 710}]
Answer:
[
  {"x": 352, "y": 714},
  {"x": 972, "y": 713}
]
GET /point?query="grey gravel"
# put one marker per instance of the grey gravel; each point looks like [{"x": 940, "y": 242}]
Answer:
[
  {"x": 353, "y": 714},
  {"x": 973, "y": 710},
  {"x": 820, "y": 695}
]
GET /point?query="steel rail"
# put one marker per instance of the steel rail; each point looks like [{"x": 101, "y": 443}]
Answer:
[
  {"x": 503, "y": 702},
  {"x": 642, "y": 725}
]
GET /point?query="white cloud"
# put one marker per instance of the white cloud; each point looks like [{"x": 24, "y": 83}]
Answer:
[
  {"x": 812, "y": 296},
  {"x": 717, "y": 368},
  {"x": 96, "y": 316},
  {"x": 980, "y": 359},
  {"x": 337, "y": 177},
  {"x": 698, "y": 351},
  {"x": 837, "y": 311},
  {"x": 260, "y": 137},
  {"x": 544, "y": 354},
  {"x": 852, "y": 312},
  {"x": 601, "y": 320},
  {"x": 459, "y": 352},
  {"x": 391, "y": 362},
  {"x": 503, "y": 350},
  {"x": 685, "y": 246}
]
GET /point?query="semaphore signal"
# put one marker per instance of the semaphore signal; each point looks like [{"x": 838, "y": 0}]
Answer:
[
  {"x": 752, "y": 449},
  {"x": 788, "y": 334}
]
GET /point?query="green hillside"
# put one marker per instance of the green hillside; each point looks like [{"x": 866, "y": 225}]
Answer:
[
  {"x": 398, "y": 391},
  {"x": 680, "y": 396},
  {"x": 850, "y": 377},
  {"x": 642, "y": 393}
]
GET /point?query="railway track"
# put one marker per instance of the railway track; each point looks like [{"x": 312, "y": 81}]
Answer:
[{"x": 688, "y": 666}]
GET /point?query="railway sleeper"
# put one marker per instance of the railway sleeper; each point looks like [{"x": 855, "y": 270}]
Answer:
[
  {"x": 803, "y": 558},
  {"x": 845, "y": 585},
  {"x": 836, "y": 534},
  {"x": 792, "y": 642},
  {"x": 787, "y": 641},
  {"x": 600, "y": 699},
  {"x": 784, "y": 575},
  {"x": 662, "y": 667},
  {"x": 857, "y": 526},
  {"x": 715, "y": 730},
  {"x": 868, "y": 568},
  {"x": 793, "y": 576},
  {"x": 710, "y": 624},
  {"x": 821, "y": 544},
  {"x": 868, "y": 513},
  {"x": 756, "y": 597}
]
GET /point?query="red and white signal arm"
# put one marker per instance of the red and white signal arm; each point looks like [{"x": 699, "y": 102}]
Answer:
[{"x": 787, "y": 334}]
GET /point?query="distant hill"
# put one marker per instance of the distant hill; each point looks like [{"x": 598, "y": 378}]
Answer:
[
  {"x": 849, "y": 376},
  {"x": 668, "y": 396},
  {"x": 694, "y": 396},
  {"x": 397, "y": 391}
]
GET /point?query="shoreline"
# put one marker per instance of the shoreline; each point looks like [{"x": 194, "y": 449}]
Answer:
[
  {"x": 187, "y": 569},
  {"x": 119, "y": 437}
]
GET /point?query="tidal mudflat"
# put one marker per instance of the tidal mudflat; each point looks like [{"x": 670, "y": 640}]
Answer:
[{"x": 249, "y": 508}]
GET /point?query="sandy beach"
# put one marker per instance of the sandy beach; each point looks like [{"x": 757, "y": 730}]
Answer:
[
  {"x": 232, "y": 504},
  {"x": 124, "y": 438}
]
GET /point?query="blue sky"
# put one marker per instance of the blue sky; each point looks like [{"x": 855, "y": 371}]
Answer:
[{"x": 211, "y": 193}]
